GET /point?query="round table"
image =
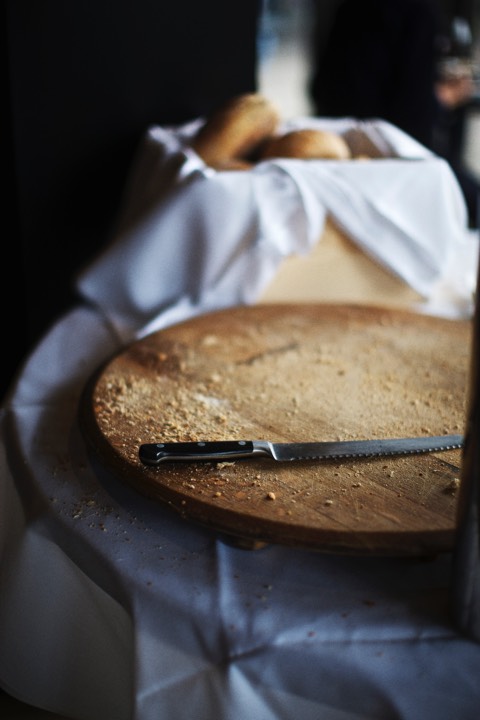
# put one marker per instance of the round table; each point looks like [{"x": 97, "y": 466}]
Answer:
[{"x": 113, "y": 606}]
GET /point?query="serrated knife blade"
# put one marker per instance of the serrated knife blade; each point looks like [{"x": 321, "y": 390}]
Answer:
[{"x": 225, "y": 450}]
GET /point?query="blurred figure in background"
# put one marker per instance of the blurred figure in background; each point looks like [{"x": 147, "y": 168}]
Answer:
[
  {"x": 455, "y": 88},
  {"x": 392, "y": 60}
]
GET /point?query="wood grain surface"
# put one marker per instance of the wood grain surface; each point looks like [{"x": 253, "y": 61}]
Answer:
[{"x": 289, "y": 372}]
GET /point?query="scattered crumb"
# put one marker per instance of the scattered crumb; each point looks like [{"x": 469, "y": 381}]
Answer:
[{"x": 452, "y": 487}]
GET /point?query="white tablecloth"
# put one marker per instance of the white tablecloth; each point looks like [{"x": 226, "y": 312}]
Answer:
[{"x": 111, "y": 606}]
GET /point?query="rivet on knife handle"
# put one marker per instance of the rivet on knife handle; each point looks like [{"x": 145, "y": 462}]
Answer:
[
  {"x": 155, "y": 453},
  {"x": 216, "y": 451}
]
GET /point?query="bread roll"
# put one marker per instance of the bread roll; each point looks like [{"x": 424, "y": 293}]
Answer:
[
  {"x": 306, "y": 143},
  {"x": 234, "y": 164},
  {"x": 233, "y": 132}
]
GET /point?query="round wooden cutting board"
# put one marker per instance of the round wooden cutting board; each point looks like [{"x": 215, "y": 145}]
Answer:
[{"x": 294, "y": 373}]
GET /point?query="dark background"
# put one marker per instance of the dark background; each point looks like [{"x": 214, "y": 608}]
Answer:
[{"x": 83, "y": 79}]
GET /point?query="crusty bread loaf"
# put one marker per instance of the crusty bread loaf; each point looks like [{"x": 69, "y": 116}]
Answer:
[
  {"x": 306, "y": 143},
  {"x": 234, "y": 164},
  {"x": 233, "y": 132}
]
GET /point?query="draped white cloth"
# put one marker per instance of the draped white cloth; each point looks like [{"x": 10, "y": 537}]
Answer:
[{"x": 192, "y": 239}]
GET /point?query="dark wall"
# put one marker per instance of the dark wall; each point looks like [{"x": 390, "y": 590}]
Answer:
[{"x": 83, "y": 80}]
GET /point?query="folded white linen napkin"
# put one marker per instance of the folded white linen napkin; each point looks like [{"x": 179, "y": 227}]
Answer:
[{"x": 191, "y": 239}]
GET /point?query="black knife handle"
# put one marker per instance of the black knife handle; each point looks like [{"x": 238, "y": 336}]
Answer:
[{"x": 155, "y": 453}]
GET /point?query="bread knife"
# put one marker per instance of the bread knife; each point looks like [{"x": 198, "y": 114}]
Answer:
[{"x": 227, "y": 450}]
